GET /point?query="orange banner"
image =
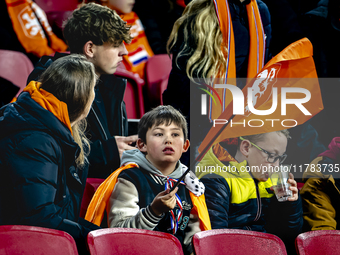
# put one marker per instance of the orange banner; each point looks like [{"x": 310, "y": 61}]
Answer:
[
  {"x": 285, "y": 93},
  {"x": 31, "y": 27}
]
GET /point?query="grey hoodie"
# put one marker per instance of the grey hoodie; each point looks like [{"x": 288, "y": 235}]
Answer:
[{"x": 191, "y": 181}]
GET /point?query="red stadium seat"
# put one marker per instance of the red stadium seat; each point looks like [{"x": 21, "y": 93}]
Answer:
[
  {"x": 236, "y": 242},
  {"x": 123, "y": 241},
  {"x": 27, "y": 240},
  {"x": 133, "y": 97},
  {"x": 91, "y": 186},
  {"x": 318, "y": 242},
  {"x": 157, "y": 71},
  {"x": 300, "y": 185},
  {"x": 15, "y": 67}
]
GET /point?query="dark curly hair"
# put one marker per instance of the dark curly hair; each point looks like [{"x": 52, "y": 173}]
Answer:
[{"x": 96, "y": 23}]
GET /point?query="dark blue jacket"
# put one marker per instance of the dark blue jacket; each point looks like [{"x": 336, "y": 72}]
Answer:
[
  {"x": 107, "y": 118},
  {"x": 148, "y": 188},
  {"x": 40, "y": 184}
]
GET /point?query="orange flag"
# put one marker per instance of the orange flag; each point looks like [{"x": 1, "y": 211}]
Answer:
[
  {"x": 284, "y": 94},
  {"x": 29, "y": 23},
  {"x": 256, "y": 49}
]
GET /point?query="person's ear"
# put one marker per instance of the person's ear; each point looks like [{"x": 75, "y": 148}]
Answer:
[
  {"x": 186, "y": 145},
  {"x": 141, "y": 145},
  {"x": 89, "y": 49},
  {"x": 244, "y": 147}
]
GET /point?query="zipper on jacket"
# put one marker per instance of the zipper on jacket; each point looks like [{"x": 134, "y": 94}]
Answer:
[
  {"x": 100, "y": 124},
  {"x": 122, "y": 113},
  {"x": 121, "y": 109},
  {"x": 259, "y": 205}
]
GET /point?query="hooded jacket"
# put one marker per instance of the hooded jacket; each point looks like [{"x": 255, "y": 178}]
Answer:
[
  {"x": 107, "y": 118},
  {"x": 129, "y": 204},
  {"x": 236, "y": 200},
  {"x": 41, "y": 184}
]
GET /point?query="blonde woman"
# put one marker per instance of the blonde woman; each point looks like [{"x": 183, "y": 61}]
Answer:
[
  {"x": 43, "y": 150},
  {"x": 200, "y": 50}
]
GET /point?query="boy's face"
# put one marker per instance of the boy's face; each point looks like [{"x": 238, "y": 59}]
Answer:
[
  {"x": 106, "y": 58},
  {"x": 275, "y": 143},
  {"x": 164, "y": 145},
  {"x": 122, "y": 6}
]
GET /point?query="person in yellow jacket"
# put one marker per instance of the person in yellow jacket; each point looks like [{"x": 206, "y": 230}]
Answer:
[
  {"x": 321, "y": 191},
  {"x": 238, "y": 187},
  {"x": 141, "y": 197}
]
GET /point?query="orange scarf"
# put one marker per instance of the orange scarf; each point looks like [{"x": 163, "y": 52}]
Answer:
[
  {"x": 27, "y": 19},
  {"x": 139, "y": 50},
  {"x": 256, "y": 51},
  {"x": 49, "y": 102},
  {"x": 96, "y": 208}
]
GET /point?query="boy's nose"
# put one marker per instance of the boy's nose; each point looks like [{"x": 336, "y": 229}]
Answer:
[
  {"x": 168, "y": 140},
  {"x": 123, "y": 51}
]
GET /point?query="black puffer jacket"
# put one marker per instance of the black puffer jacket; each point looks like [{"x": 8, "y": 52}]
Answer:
[
  {"x": 40, "y": 184},
  {"x": 106, "y": 119}
]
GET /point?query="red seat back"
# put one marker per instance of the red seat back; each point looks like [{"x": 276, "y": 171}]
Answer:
[
  {"x": 236, "y": 242},
  {"x": 318, "y": 242},
  {"x": 27, "y": 240},
  {"x": 15, "y": 67},
  {"x": 157, "y": 72},
  {"x": 91, "y": 186},
  {"x": 123, "y": 241},
  {"x": 133, "y": 96}
]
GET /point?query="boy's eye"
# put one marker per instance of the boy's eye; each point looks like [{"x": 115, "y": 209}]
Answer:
[
  {"x": 175, "y": 134},
  {"x": 158, "y": 134}
]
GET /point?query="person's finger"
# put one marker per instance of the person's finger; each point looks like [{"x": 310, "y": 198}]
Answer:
[
  {"x": 128, "y": 147},
  {"x": 293, "y": 189},
  {"x": 291, "y": 176},
  {"x": 164, "y": 192},
  {"x": 131, "y": 139},
  {"x": 292, "y": 182},
  {"x": 172, "y": 193},
  {"x": 293, "y": 198}
]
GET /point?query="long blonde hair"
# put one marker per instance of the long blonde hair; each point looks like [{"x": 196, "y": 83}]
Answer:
[
  {"x": 70, "y": 79},
  {"x": 201, "y": 26}
]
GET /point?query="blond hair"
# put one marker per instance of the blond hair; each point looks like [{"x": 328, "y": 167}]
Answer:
[
  {"x": 203, "y": 41},
  {"x": 259, "y": 137},
  {"x": 70, "y": 79}
]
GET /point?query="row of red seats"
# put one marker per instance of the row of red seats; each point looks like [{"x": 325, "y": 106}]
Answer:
[
  {"x": 15, "y": 67},
  {"x": 27, "y": 240}
]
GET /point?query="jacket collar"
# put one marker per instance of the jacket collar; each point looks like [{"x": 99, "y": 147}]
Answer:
[{"x": 49, "y": 102}]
